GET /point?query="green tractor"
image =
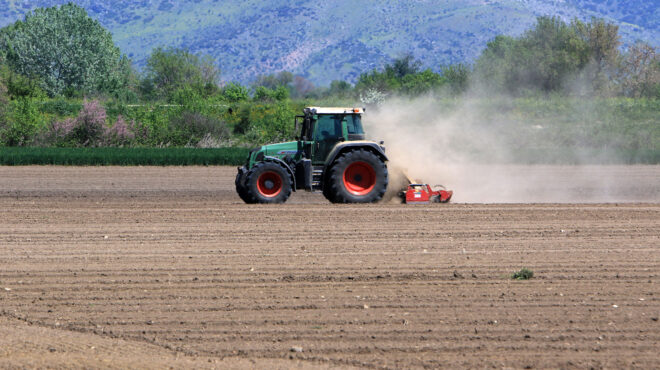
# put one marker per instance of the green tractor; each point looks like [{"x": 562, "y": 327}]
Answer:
[{"x": 330, "y": 156}]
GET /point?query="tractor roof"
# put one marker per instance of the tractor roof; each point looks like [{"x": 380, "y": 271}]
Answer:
[{"x": 336, "y": 110}]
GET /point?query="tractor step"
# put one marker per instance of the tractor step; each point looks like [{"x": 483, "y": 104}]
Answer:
[{"x": 317, "y": 175}]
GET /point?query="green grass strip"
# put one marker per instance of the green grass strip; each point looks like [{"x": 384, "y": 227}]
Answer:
[{"x": 20, "y": 156}]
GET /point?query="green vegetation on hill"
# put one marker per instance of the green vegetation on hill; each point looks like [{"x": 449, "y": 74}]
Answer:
[{"x": 336, "y": 40}]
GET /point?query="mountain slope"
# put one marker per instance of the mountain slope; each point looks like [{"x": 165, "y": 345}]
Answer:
[{"x": 339, "y": 39}]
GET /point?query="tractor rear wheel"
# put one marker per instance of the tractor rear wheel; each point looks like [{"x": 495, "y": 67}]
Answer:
[
  {"x": 268, "y": 182},
  {"x": 358, "y": 176}
]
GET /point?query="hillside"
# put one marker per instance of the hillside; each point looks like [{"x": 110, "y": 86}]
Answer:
[{"x": 335, "y": 40}]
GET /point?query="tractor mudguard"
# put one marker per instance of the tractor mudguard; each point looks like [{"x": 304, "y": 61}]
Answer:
[
  {"x": 348, "y": 145},
  {"x": 286, "y": 166}
]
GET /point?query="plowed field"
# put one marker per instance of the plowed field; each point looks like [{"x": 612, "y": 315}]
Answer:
[{"x": 156, "y": 267}]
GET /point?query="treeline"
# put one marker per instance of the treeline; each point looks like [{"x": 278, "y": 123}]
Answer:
[{"x": 64, "y": 83}]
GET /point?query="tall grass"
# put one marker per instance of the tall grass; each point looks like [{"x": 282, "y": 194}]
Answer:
[{"x": 17, "y": 156}]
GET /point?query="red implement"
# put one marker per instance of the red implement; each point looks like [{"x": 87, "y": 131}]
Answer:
[{"x": 423, "y": 194}]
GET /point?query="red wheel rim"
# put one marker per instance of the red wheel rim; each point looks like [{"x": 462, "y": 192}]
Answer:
[
  {"x": 269, "y": 184},
  {"x": 359, "y": 178}
]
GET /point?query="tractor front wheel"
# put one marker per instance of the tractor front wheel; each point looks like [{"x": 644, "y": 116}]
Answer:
[
  {"x": 268, "y": 182},
  {"x": 359, "y": 176},
  {"x": 241, "y": 188}
]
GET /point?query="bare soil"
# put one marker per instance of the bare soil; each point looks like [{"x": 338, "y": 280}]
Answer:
[{"x": 107, "y": 267}]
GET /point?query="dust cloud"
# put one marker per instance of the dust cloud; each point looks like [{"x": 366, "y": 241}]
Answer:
[{"x": 461, "y": 148}]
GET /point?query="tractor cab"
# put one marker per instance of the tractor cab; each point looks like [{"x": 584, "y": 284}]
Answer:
[{"x": 322, "y": 128}]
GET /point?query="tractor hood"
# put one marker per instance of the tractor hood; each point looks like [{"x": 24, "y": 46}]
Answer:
[{"x": 281, "y": 150}]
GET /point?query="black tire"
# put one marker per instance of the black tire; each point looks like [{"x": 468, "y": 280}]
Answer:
[
  {"x": 327, "y": 191},
  {"x": 358, "y": 176},
  {"x": 268, "y": 182},
  {"x": 241, "y": 189}
]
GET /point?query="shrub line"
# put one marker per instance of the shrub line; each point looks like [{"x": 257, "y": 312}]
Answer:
[{"x": 21, "y": 156}]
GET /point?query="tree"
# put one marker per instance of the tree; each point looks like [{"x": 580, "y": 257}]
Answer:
[
  {"x": 22, "y": 122},
  {"x": 65, "y": 50},
  {"x": 3, "y": 88},
  {"x": 548, "y": 54},
  {"x": 403, "y": 75},
  {"x": 640, "y": 71},
  {"x": 172, "y": 69},
  {"x": 235, "y": 93},
  {"x": 301, "y": 88},
  {"x": 4, "y": 100},
  {"x": 603, "y": 41},
  {"x": 551, "y": 54},
  {"x": 273, "y": 81},
  {"x": 264, "y": 94},
  {"x": 401, "y": 67},
  {"x": 457, "y": 76},
  {"x": 341, "y": 89}
]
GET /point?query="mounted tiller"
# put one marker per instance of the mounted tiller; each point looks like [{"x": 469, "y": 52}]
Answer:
[
  {"x": 417, "y": 193},
  {"x": 423, "y": 194}
]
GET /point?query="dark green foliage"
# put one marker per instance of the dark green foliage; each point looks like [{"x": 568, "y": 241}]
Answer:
[
  {"x": 19, "y": 86},
  {"x": 404, "y": 66},
  {"x": 402, "y": 76},
  {"x": 267, "y": 86},
  {"x": 261, "y": 123},
  {"x": 552, "y": 56},
  {"x": 273, "y": 81},
  {"x": 457, "y": 77},
  {"x": 4, "y": 100},
  {"x": 21, "y": 123},
  {"x": 264, "y": 94},
  {"x": 121, "y": 156},
  {"x": 640, "y": 72},
  {"x": 190, "y": 128},
  {"x": 340, "y": 89},
  {"x": 61, "y": 107},
  {"x": 523, "y": 274},
  {"x": 65, "y": 49},
  {"x": 235, "y": 93},
  {"x": 171, "y": 70}
]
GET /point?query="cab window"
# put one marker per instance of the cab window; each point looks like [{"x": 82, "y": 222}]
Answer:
[
  {"x": 328, "y": 127},
  {"x": 354, "y": 124}
]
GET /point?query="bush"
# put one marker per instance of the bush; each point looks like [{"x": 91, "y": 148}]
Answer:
[
  {"x": 235, "y": 93},
  {"x": 264, "y": 123},
  {"x": 266, "y": 95},
  {"x": 61, "y": 107},
  {"x": 4, "y": 99},
  {"x": 403, "y": 75},
  {"x": 191, "y": 127},
  {"x": 119, "y": 134},
  {"x": 21, "y": 123},
  {"x": 90, "y": 124},
  {"x": 523, "y": 274},
  {"x": 189, "y": 98},
  {"x": 19, "y": 86},
  {"x": 151, "y": 122},
  {"x": 172, "y": 69},
  {"x": 87, "y": 129}
]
